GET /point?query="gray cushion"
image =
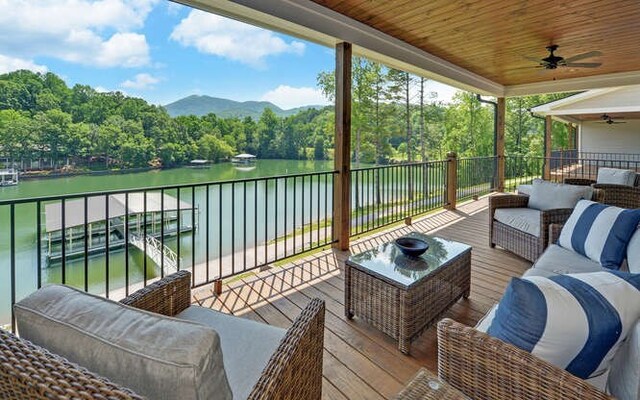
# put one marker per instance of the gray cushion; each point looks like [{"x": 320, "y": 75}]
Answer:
[
  {"x": 247, "y": 346},
  {"x": 524, "y": 189},
  {"x": 523, "y": 219},
  {"x": 548, "y": 195},
  {"x": 624, "y": 377},
  {"x": 156, "y": 356},
  {"x": 616, "y": 176},
  {"x": 558, "y": 261},
  {"x": 633, "y": 253}
]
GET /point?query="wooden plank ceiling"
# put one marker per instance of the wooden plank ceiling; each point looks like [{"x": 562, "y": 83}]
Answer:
[{"x": 492, "y": 37}]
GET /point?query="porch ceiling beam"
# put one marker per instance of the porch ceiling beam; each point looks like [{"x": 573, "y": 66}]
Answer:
[
  {"x": 598, "y": 110},
  {"x": 574, "y": 84},
  {"x": 313, "y": 22}
]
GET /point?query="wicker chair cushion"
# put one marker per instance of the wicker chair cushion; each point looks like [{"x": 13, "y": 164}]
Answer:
[
  {"x": 247, "y": 346},
  {"x": 600, "y": 232},
  {"x": 624, "y": 378},
  {"x": 633, "y": 253},
  {"x": 550, "y": 196},
  {"x": 523, "y": 219},
  {"x": 524, "y": 189},
  {"x": 575, "y": 321},
  {"x": 156, "y": 356},
  {"x": 559, "y": 261},
  {"x": 616, "y": 176}
]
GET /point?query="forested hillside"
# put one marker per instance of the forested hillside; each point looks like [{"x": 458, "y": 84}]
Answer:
[
  {"x": 225, "y": 108},
  {"x": 394, "y": 119}
]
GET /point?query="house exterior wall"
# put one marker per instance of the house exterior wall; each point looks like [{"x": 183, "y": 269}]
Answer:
[{"x": 616, "y": 138}]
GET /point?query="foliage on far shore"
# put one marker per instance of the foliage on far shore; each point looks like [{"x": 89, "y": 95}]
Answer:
[{"x": 393, "y": 119}]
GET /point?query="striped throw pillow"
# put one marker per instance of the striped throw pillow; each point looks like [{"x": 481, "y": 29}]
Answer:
[
  {"x": 600, "y": 232},
  {"x": 574, "y": 321}
]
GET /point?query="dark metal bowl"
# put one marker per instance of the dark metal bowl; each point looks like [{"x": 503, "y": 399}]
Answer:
[{"x": 411, "y": 246}]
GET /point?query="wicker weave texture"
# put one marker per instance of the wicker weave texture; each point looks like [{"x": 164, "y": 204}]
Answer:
[
  {"x": 168, "y": 296},
  {"x": 295, "y": 369},
  {"x": 427, "y": 386},
  {"x": 31, "y": 372},
  {"x": 485, "y": 368},
  {"x": 620, "y": 196},
  {"x": 402, "y": 313}
]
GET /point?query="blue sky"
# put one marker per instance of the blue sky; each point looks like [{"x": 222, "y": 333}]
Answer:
[{"x": 162, "y": 51}]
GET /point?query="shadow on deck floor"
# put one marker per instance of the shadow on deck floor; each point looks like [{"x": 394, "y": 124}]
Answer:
[{"x": 360, "y": 362}]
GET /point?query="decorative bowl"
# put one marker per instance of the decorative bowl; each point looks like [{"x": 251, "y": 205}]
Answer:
[{"x": 410, "y": 246}]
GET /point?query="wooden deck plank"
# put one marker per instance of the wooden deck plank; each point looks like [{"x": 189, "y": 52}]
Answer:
[{"x": 359, "y": 361}]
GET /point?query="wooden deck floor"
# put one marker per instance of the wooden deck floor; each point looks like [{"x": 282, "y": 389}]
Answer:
[{"x": 360, "y": 362}]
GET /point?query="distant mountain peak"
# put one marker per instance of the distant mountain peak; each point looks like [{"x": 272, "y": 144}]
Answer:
[{"x": 202, "y": 105}]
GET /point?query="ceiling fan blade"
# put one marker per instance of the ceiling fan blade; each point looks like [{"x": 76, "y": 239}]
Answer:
[
  {"x": 583, "y": 65},
  {"x": 583, "y": 56}
]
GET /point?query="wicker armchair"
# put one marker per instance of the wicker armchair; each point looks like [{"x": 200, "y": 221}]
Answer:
[
  {"x": 294, "y": 371},
  {"x": 614, "y": 195},
  {"x": 486, "y": 368},
  {"x": 521, "y": 243}
]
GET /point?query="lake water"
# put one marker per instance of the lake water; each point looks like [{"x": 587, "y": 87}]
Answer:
[{"x": 235, "y": 228}]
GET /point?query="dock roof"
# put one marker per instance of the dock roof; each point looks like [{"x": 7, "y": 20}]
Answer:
[{"x": 97, "y": 207}]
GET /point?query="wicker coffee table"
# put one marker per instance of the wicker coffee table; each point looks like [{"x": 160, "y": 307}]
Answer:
[{"x": 402, "y": 296}]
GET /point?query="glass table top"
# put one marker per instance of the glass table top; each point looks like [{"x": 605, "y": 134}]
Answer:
[{"x": 388, "y": 262}]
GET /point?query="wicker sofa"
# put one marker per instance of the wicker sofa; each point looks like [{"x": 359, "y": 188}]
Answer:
[
  {"x": 525, "y": 244},
  {"x": 616, "y": 194},
  {"x": 483, "y": 367},
  {"x": 294, "y": 370}
]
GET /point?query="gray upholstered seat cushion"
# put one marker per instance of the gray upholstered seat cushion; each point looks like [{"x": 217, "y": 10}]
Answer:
[
  {"x": 624, "y": 377},
  {"x": 523, "y": 219},
  {"x": 247, "y": 346},
  {"x": 559, "y": 261},
  {"x": 156, "y": 356},
  {"x": 616, "y": 176},
  {"x": 549, "y": 196}
]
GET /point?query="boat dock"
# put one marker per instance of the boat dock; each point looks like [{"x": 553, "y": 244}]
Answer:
[
  {"x": 9, "y": 177},
  {"x": 148, "y": 218}
]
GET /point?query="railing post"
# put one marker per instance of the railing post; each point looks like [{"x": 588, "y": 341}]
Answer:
[
  {"x": 452, "y": 180},
  {"x": 500, "y": 116},
  {"x": 342, "y": 146},
  {"x": 548, "y": 125}
]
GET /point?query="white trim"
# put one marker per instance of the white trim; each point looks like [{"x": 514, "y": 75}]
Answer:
[
  {"x": 575, "y": 84},
  {"x": 544, "y": 108},
  {"x": 321, "y": 25},
  {"x": 599, "y": 110}
]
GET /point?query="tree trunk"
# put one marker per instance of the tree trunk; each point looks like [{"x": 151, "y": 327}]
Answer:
[{"x": 423, "y": 149}]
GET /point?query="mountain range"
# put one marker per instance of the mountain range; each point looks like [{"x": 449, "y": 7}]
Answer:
[{"x": 202, "y": 105}]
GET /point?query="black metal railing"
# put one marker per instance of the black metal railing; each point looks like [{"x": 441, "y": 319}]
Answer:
[
  {"x": 113, "y": 243},
  {"x": 386, "y": 194},
  {"x": 476, "y": 176},
  {"x": 603, "y": 156},
  {"x": 524, "y": 169}
]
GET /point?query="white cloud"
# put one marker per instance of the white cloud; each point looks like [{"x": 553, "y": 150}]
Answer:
[
  {"x": 223, "y": 37},
  {"x": 8, "y": 64},
  {"x": 289, "y": 97},
  {"x": 90, "y": 32},
  {"x": 141, "y": 82}
]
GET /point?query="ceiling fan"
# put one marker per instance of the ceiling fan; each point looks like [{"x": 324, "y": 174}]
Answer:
[
  {"x": 553, "y": 61},
  {"x": 606, "y": 119}
]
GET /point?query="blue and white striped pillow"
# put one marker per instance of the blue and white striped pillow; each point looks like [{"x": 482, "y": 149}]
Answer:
[
  {"x": 574, "y": 321},
  {"x": 599, "y": 232}
]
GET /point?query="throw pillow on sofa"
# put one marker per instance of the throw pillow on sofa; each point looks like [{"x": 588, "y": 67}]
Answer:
[
  {"x": 549, "y": 196},
  {"x": 616, "y": 176},
  {"x": 633, "y": 253},
  {"x": 574, "y": 321},
  {"x": 599, "y": 232}
]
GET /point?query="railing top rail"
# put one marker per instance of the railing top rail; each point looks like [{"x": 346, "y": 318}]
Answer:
[
  {"x": 398, "y": 165},
  {"x": 157, "y": 188}
]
